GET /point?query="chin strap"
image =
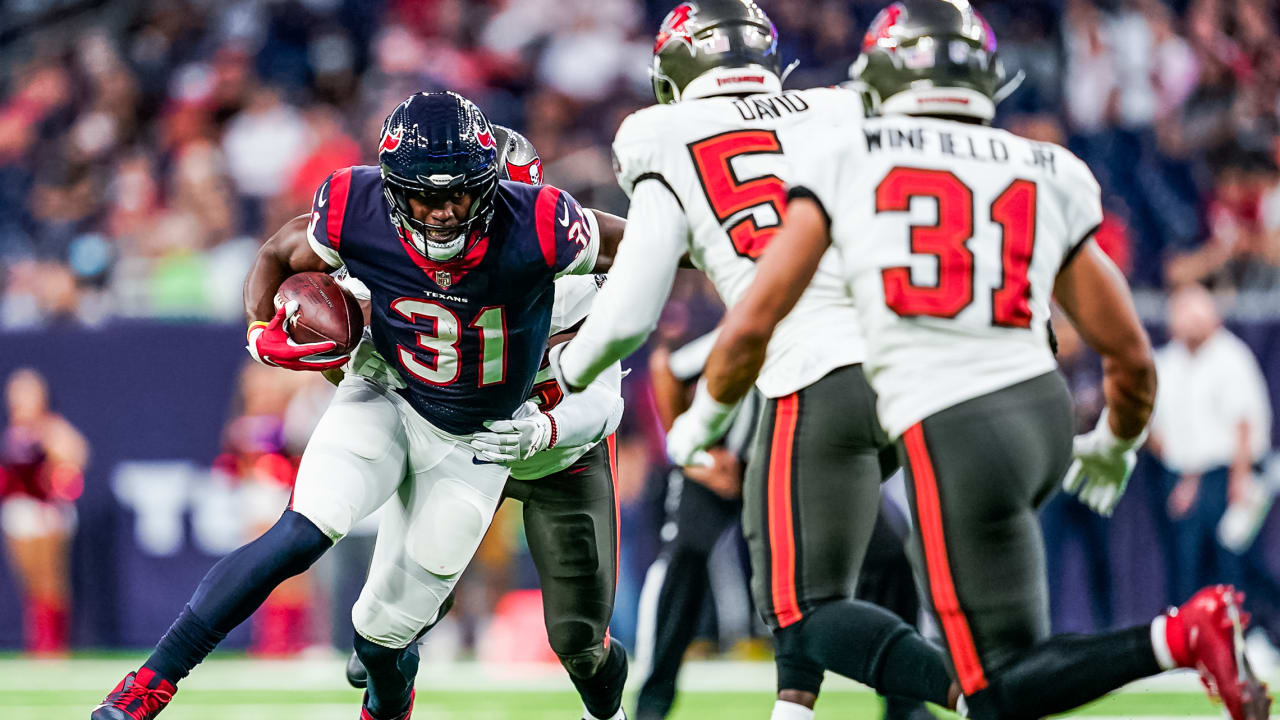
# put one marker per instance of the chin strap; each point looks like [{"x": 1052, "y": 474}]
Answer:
[
  {"x": 1009, "y": 88},
  {"x": 786, "y": 71}
]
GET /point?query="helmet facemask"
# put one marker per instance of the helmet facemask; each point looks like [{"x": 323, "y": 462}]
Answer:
[
  {"x": 439, "y": 243},
  {"x": 436, "y": 147}
]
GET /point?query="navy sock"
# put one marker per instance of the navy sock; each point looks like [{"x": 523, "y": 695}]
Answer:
[
  {"x": 235, "y": 587},
  {"x": 240, "y": 582},
  {"x": 391, "y": 673},
  {"x": 188, "y": 641}
]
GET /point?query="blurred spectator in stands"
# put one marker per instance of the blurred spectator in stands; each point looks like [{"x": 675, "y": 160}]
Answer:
[
  {"x": 255, "y": 460},
  {"x": 1212, "y": 424},
  {"x": 1026, "y": 30},
  {"x": 1242, "y": 251},
  {"x": 338, "y": 577},
  {"x": 329, "y": 148},
  {"x": 264, "y": 145},
  {"x": 1066, "y": 522},
  {"x": 42, "y": 462},
  {"x": 1231, "y": 42},
  {"x": 1113, "y": 235}
]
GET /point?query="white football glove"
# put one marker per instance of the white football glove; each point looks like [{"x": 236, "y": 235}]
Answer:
[
  {"x": 530, "y": 431},
  {"x": 1103, "y": 463},
  {"x": 553, "y": 362},
  {"x": 698, "y": 428}
]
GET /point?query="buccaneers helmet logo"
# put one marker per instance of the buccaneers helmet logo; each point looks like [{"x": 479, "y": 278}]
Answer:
[
  {"x": 881, "y": 28},
  {"x": 530, "y": 174},
  {"x": 673, "y": 28},
  {"x": 390, "y": 139}
]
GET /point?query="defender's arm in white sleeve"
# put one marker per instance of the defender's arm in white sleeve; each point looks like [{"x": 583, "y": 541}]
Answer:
[
  {"x": 592, "y": 415},
  {"x": 627, "y": 308}
]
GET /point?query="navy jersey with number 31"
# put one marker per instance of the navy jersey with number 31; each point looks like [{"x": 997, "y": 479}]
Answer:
[{"x": 467, "y": 335}]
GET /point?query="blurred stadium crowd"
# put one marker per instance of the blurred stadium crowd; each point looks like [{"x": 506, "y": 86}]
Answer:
[{"x": 148, "y": 148}]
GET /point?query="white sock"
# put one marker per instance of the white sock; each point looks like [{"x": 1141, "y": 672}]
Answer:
[
  {"x": 1160, "y": 644},
  {"x": 783, "y": 710},
  {"x": 962, "y": 707},
  {"x": 620, "y": 715}
]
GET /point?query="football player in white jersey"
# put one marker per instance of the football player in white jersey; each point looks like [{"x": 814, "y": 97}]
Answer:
[
  {"x": 954, "y": 238},
  {"x": 706, "y": 174}
]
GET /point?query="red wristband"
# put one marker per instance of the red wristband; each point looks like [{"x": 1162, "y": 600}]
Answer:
[{"x": 555, "y": 432}]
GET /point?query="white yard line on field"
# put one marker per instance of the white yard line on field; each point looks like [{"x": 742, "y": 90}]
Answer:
[{"x": 312, "y": 674}]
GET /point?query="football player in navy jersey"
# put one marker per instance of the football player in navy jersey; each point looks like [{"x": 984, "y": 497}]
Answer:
[
  {"x": 567, "y": 488},
  {"x": 460, "y": 268}
]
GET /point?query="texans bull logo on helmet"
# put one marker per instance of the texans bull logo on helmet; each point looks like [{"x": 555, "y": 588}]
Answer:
[
  {"x": 391, "y": 139},
  {"x": 673, "y": 29},
  {"x": 484, "y": 136}
]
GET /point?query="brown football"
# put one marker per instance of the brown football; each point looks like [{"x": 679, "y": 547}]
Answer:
[{"x": 326, "y": 311}]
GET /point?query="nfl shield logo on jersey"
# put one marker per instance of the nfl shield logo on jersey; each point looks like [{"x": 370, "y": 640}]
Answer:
[{"x": 444, "y": 279}]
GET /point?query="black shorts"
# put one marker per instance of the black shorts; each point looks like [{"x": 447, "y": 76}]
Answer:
[
  {"x": 811, "y": 494},
  {"x": 976, "y": 475},
  {"x": 571, "y": 524}
]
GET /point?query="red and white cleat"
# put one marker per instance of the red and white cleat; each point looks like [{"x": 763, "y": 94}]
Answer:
[
  {"x": 1207, "y": 633},
  {"x": 139, "y": 696}
]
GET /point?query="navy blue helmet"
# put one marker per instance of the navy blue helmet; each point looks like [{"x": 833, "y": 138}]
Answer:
[{"x": 433, "y": 145}]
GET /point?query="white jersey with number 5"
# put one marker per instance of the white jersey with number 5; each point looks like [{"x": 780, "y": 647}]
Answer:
[
  {"x": 726, "y": 161},
  {"x": 952, "y": 236}
]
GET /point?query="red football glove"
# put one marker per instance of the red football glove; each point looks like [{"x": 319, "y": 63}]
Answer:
[{"x": 270, "y": 344}]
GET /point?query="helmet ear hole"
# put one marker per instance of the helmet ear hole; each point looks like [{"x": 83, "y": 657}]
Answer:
[{"x": 664, "y": 91}]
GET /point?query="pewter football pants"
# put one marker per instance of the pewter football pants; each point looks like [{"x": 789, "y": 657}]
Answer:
[{"x": 977, "y": 473}]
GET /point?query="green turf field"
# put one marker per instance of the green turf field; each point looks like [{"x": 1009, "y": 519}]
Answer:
[{"x": 236, "y": 689}]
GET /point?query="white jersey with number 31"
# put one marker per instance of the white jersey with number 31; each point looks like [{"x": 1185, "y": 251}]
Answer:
[
  {"x": 727, "y": 162},
  {"x": 952, "y": 236}
]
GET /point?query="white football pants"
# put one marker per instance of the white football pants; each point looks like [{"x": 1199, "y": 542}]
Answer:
[{"x": 371, "y": 449}]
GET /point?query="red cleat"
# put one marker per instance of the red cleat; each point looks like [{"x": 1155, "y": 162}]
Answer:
[
  {"x": 366, "y": 715},
  {"x": 139, "y": 696},
  {"x": 1207, "y": 633}
]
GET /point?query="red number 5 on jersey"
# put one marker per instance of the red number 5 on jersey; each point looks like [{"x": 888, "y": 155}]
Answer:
[
  {"x": 1014, "y": 210},
  {"x": 731, "y": 197}
]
